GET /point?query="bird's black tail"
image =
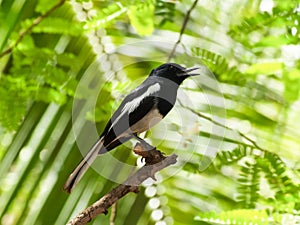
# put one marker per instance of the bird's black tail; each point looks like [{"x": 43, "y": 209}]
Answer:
[{"x": 80, "y": 170}]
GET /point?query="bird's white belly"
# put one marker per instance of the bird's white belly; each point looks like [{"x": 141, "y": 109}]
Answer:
[{"x": 149, "y": 120}]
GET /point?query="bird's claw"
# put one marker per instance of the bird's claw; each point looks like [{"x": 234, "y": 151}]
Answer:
[
  {"x": 150, "y": 157},
  {"x": 143, "y": 159}
]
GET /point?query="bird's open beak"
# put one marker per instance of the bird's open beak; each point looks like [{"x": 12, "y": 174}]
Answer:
[
  {"x": 187, "y": 72},
  {"x": 190, "y": 70}
]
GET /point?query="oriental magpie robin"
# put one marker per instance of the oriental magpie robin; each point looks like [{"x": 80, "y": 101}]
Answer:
[{"x": 140, "y": 110}]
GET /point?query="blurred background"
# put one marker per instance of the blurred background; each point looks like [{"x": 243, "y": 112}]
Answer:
[{"x": 66, "y": 65}]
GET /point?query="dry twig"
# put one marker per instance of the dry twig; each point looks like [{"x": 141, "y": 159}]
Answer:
[{"x": 186, "y": 19}]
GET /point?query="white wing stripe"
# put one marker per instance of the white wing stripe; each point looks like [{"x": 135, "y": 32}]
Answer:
[{"x": 132, "y": 105}]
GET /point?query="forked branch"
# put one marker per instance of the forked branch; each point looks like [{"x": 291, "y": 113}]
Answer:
[{"x": 155, "y": 161}]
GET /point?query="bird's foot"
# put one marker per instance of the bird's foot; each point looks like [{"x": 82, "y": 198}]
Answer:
[{"x": 149, "y": 156}]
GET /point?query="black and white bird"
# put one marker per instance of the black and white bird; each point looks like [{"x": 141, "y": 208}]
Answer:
[{"x": 140, "y": 110}]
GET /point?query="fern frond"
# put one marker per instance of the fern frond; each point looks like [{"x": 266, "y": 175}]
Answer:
[
  {"x": 106, "y": 16},
  {"x": 249, "y": 183},
  {"x": 275, "y": 171},
  {"x": 228, "y": 157},
  {"x": 241, "y": 216},
  {"x": 251, "y": 24},
  {"x": 55, "y": 25},
  {"x": 283, "y": 15},
  {"x": 219, "y": 66},
  {"x": 165, "y": 10}
]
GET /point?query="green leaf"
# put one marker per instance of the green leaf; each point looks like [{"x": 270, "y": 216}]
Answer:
[
  {"x": 241, "y": 216},
  {"x": 166, "y": 10},
  {"x": 13, "y": 102},
  {"x": 219, "y": 66},
  {"x": 44, "y": 5},
  {"x": 142, "y": 18},
  {"x": 292, "y": 85},
  {"x": 68, "y": 60},
  {"x": 56, "y": 25},
  {"x": 105, "y": 16},
  {"x": 265, "y": 68},
  {"x": 51, "y": 95},
  {"x": 276, "y": 41}
]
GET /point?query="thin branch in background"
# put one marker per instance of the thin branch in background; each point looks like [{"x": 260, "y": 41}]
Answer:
[
  {"x": 221, "y": 125},
  {"x": 113, "y": 214},
  {"x": 186, "y": 19},
  {"x": 29, "y": 29},
  {"x": 101, "y": 206}
]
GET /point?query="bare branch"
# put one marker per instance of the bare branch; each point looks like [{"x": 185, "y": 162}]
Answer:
[
  {"x": 186, "y": 19},
  {"x": 29, "y": 29},
  {"x": 130, "y": 185}
]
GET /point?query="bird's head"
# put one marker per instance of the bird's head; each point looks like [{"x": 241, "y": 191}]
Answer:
[{"x": 173, "y": 72}]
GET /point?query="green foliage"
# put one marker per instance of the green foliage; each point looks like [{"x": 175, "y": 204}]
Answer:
[
  {"x": 254, "y": 166},
  {"x": 141, "y": 17},
  {"x": 265, "y": 68},
  {"x": 291, "y": 80},
  {"x": 37, "y": 74},
  {"x": 219, "y": 66},
  {"x": 197, "y": 164},
  {"x": 249, "y": 183},
  {"x": 240, "y": 216},
  {"x": 258, "y": 21},
  {"x": 276, "y": 173},
  {"x": 44, "y": 5},
  {"x": 165, "y": 11},
  {"x": 248, "y": 51},
  {"x": 105, "y": 16},
  {"x": 228, "y": 157},
  {"x": 275, "y": 41},
  {"x": 56, "y": 25},
  {"x": 284, "y": 15},
  {"x": 40, "y": 66},
  {"x": 13, "y": 102}
]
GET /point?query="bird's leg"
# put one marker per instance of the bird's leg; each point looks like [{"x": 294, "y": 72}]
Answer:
[
  {"x": 145, "y": 145},
  {"x": 148, "y": 152}
]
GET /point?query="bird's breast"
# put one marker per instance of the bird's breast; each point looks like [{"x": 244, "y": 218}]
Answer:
[{"x": 149, "y": 120}]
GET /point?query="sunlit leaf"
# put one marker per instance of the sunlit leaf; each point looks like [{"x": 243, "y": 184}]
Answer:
[
  {"x": 265, "y": 68},
  {"x": 276, "y": 41},
  {"x": 141, "y": 18},
  {"x": 236, "y": 216},
  {"x": 57, "y": 25},
  {"x": 44, "y": 5},
  {"x": 292, "y": 85}
]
